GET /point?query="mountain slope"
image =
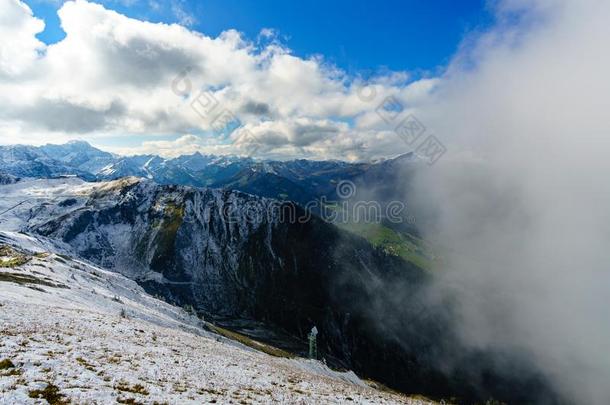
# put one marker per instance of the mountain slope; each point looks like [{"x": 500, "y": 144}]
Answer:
[
  {"x": 267, "y": 184},
  {"x": 29, "y": 161},
  {"x": 72, "y": 331},
  {"x": 8, "y": 179},
  {"x": 80, "y": 155}
]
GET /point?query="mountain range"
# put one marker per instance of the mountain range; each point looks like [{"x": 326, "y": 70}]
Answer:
[
  {"x": 310, "y": 184},
  {"x": 296, "y": 180}
]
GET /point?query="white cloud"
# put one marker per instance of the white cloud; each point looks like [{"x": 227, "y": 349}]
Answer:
[
  {"x": 113, "y": 75},
  {"x": 19, "y": 47},
  {"x": 184, "y": 145},
  {"x": 182, "y": 16}
]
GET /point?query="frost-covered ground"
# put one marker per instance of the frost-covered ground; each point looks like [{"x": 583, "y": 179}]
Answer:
[
  {"x": 17, "y": 199},
  {"x": 75, "y": 332}
]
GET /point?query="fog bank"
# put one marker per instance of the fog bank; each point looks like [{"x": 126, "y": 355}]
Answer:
[{"x": 519, "y": 207}]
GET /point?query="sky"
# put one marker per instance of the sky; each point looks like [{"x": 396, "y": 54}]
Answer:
[
  {"x": 289, "y": 80},
  {"x": 359, "y": 36}
]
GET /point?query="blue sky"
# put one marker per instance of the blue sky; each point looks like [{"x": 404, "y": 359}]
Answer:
[{"x": 358, "y": 36}]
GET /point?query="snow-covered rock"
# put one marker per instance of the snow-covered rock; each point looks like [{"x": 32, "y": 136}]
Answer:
[
  {"x": 8, "y": 179},
  {"x": 80, "y": 155}
]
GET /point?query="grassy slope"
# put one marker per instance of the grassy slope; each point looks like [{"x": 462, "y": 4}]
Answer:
[
  {"x": 408, "y": 247},
  {"x": 273, "y": 351}
]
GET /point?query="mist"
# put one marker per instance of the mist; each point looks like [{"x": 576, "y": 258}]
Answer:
[{"x": 518, "y": 209}]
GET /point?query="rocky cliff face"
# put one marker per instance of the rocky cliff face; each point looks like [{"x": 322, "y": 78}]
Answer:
[
  {"x": 225, "y": 252},
  {"x": 234, "y": 255}
]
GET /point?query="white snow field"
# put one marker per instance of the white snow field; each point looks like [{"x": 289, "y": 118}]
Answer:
[{"x": 71, "y": 332}]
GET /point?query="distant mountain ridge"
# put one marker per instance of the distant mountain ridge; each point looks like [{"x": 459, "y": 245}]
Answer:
[
  {"x": 80, "y": 155},
  {"x": 298, "y": 180},
  {"x": 31, "y": 161}
]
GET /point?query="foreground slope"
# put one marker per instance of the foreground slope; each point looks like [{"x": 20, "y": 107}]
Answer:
[{"x": 71, "y": 331}]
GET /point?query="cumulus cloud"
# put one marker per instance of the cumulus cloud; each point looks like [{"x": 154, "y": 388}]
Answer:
[
  {"x": 112, "y": 75},
  {"x": 184, "y": 145},
  {"x": 62, "y": 115},
  {"x": 519, "y": 207},
  {"x": 19, "y": 47}
]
